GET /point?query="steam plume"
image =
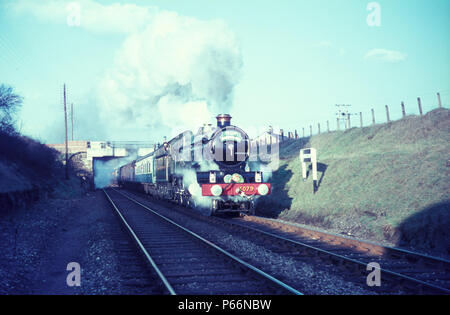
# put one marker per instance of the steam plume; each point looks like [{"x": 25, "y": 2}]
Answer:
[
  {"x": 171, "y": 72},
  {"x": 178, "y": 72}
]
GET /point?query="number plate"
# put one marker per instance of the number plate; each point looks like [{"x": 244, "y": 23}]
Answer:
[{"x": 234, "y": 189}]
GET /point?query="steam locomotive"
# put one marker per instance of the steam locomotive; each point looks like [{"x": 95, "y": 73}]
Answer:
[{"x": 209, "y": 170}]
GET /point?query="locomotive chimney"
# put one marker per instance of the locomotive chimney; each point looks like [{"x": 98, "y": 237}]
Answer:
[{"x": 223, "y": 120}]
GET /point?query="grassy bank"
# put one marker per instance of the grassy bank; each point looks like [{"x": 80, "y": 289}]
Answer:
[
  {"x": 29, "y": 170},
  {"x": 384, "y": 182}
]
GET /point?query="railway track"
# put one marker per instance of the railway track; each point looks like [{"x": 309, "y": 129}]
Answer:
[
  {"x": 401, "y": 270},
  {"x": 423, "y": 271},
  {"x": 185, "y": 262}
]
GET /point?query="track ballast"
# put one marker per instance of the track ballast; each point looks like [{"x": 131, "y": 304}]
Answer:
[{"x": 185, "y": 262}]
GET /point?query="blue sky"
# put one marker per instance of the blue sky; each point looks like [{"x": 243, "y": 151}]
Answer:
[{"x": 292, "y": 61}]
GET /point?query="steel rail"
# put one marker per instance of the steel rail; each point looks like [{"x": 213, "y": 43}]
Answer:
[
  {"x": 141, "y": 247},
  {"x": 296, "y": 243},
  {"x": 261, "y": 273},
  {"x": 362, "y": 264},
  {"x": 388, "y": 249}
]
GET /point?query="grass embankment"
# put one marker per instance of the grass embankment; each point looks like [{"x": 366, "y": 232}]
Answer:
[
  {"x": 30, "y": 170},
  {"x": 384, "y": 182}
]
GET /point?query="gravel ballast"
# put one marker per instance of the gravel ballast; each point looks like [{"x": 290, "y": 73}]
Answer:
[
  {"x": 308, "y": 277},
  {"x": 38, "y": 243}
]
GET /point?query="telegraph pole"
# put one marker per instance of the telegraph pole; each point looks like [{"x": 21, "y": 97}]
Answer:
[
  {"x": 439, "y": 100},
  {"x": 71, "y": 118},
  {"x": 343, "y": 114},
  {"x": 65, "y": 125}
]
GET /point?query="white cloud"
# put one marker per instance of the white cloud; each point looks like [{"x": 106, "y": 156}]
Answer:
[
  {"x": 391, "y": 56},
  {"x": 324, "y": 44},
  {"x": 171, "y": 72},
  {"x": 95, "y": 17},
  {"x": 327, "y": 45}
]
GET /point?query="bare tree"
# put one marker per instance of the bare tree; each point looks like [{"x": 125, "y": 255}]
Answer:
[{"x": 9, "y": 105}]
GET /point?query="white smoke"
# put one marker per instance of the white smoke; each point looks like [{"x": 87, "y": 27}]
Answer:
[
  {"x": 177, "y": 72},
  {"x": 103, "y": 175},
  {"x": 171, "y": 72},
  {"x": 190, "y": 183}
]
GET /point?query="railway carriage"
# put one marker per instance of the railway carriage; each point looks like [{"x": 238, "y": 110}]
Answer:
[
  {"x": 126, "y": 174},
  {"x": 144, "y": 172}
]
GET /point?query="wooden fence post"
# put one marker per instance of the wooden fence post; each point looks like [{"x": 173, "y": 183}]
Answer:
[
  {"x": 373, "y": 117},
  {"x": 318, "y": 127},
  {"x": 303, "y": 131},
  {"x": 310, "y": 130},
  {"x": 328, "y": 126},
  {"x": 282, "y": 135},
  {"x": 296, "y": 134},
  {"x": 439, "y": 100},
  {"x": 420, "y": 106},
  {"x": 348, "y": 119},
  {"x": 337, "y": 124},
  {"x": 403, "y": 110},
  {"x": 387, "y": 114},
  {"x": 360, "y": 119}
]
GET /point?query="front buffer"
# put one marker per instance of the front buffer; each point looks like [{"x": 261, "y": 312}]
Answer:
[{"x": 234, "y": 197}]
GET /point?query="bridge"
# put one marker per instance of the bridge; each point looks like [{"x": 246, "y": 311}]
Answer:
[{"x": 83, "y": 154}]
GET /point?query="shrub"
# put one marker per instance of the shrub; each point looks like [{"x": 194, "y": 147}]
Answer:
[
  {"x": 9, "y": 105},
  {"x": 28, "y": 153}
]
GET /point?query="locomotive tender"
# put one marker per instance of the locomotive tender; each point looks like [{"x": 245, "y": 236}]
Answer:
[{"x": 210, "y": 169}]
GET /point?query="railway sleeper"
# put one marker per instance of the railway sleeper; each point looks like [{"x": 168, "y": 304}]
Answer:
[{"x": 206, "y": 279}]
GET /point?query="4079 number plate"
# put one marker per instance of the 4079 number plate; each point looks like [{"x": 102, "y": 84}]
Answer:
[
  {"x": 234, "y": 189},
  {"x": 246, "y": 188}
]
